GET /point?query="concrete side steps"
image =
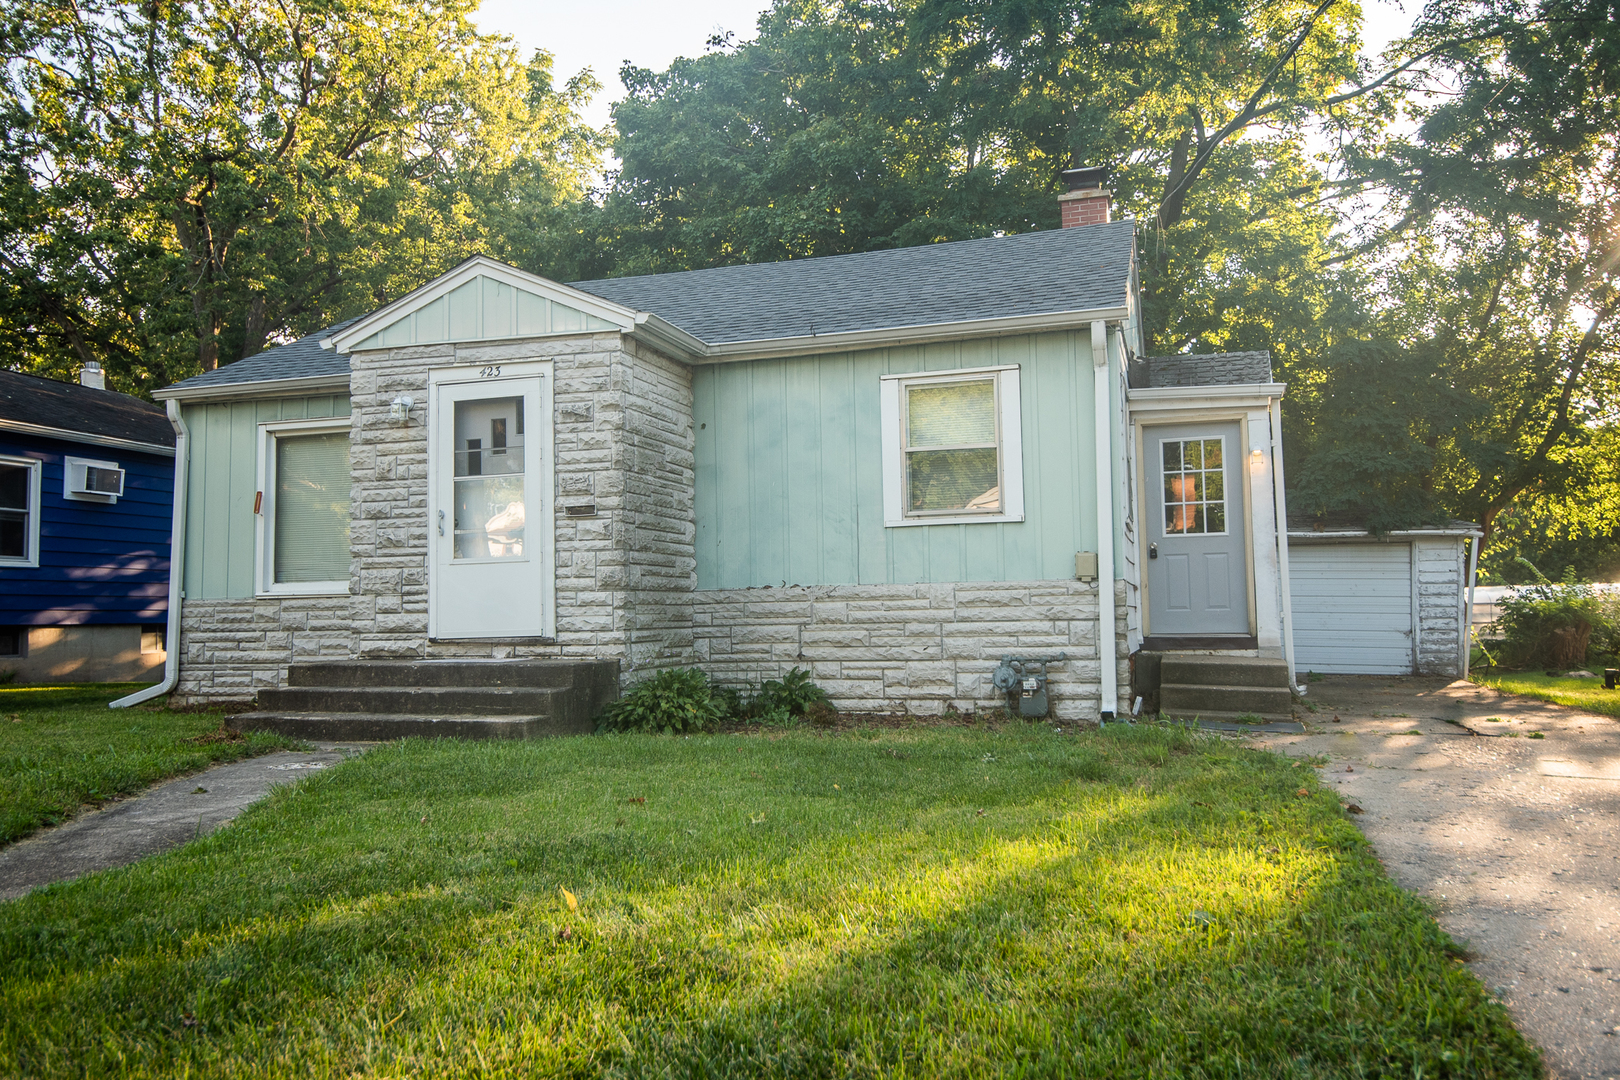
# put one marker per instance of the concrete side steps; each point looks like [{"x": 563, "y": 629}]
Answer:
[
  {"x": 1224, "y": 687},
  {"x": 1195, "y": 670},
  {"x": 378, "y": 727},
  {"x": 427, "y": 700},
  {"x": 1182, "y": 699}
]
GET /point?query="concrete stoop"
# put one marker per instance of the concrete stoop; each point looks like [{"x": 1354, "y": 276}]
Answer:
[
  {"x": 464, "y": 699},
  {"x": 1224, "y": 687}
]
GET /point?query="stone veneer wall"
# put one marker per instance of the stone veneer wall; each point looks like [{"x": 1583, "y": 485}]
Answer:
[
  {"x": 622, "y": 439},
  {"x": 873, "y": 647},
  {"x": 1441, "y": 578}
]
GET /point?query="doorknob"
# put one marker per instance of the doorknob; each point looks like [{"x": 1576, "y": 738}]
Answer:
[
  {"x": 441, "y": 522},
  {"x": 1153, "y": 549}
]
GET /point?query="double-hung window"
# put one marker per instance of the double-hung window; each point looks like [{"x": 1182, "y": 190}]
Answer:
[
  {"x": 303, "y": 507},
  {"x": 19, "y": 512},
  {"x": 952, "y": 447}
]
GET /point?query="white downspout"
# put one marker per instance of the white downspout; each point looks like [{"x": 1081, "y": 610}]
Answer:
[
  {"x": 1279, "y": 493},
  {"x": 1107, "y": 645},
  {"x": 177, "y": 566}
]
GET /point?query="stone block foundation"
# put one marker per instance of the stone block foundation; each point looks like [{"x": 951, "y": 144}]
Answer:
[{"x": 916, "y": 648}]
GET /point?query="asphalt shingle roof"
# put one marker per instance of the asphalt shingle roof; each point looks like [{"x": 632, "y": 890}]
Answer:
[
  {"x": 1050, "y": 272},
  {"x": 301, "y": 359},
  {"x": 1057, "y": 270},
  {"x": 1211, "y": 369},
  {"x": 29, "y": 399}
]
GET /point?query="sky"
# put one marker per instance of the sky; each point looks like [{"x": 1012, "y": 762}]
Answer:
[{"x": 651, "y": 33}]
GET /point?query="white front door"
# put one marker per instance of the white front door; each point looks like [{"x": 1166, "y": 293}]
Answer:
[{"x": 489, "y": 513}]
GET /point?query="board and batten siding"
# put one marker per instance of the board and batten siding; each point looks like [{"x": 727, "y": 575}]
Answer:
[
  {"x": 789, "y": 470},
  {"x": 99, "y": 563},
  {"x": 484, "y": 309},
  {"x": 223, "y": 478}
]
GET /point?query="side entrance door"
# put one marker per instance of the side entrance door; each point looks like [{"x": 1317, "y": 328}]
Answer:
[
  {"x": 488, "y": 434},
  {"x": 1197, "y": 561}
]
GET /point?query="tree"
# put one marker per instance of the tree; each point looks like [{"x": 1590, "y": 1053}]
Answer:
[
  {"x": 1498, "y": 284},
  {"x": 181, "y": 184}
]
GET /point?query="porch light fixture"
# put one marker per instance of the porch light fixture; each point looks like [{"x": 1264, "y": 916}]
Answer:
[{"x": 399, "y": 410}]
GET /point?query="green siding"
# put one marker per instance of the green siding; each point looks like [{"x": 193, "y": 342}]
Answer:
[
  {"x": 483, "y": 310},
  {"x": 222, "y": 480},
  {"x": 790, "y": 472}
]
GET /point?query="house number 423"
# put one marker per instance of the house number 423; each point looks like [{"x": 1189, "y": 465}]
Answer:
[{"x": 489, "y": 372}]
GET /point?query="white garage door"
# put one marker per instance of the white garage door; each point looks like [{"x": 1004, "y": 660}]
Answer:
[{"x": 1352, "y": 608}]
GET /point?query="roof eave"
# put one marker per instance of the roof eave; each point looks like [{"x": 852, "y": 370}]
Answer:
[
  {"x": 256, "y": 388},
  {"x": 883, "y": 337},
  {"x": 111, "y": 442}
]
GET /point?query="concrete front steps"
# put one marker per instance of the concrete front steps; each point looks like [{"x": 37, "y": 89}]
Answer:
[
  {"x": 370, "y": 700},
  {"x": 1224, "y": 687}
]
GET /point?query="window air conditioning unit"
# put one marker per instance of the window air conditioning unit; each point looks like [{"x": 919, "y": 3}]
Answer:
[{"x": 84, "y": 480}]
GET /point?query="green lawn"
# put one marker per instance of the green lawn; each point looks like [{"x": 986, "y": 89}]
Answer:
[
  {"x": 61, "y": 749},
  {"x": 927, "y": 902},
  {"x": 1587, "y": 694}
]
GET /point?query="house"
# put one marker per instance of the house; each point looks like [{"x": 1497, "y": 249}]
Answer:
[
  {"x": 86, "y": 484},
  {"x": 891, "y": 469}
]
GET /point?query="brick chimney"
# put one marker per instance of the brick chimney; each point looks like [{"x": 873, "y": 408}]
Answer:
[{"x": 1086, "y": 201}]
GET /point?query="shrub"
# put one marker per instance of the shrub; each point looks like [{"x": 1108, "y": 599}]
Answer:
[
  {"x": 790, "y": 695},
  {"x": 673, "y": 701},
  {"x": 1554, "y": 623}
]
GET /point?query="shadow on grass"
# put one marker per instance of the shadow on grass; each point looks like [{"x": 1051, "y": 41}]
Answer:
[{"x": 1135, "y": 903}]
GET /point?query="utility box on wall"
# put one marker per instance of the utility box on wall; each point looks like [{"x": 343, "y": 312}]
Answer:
[{"x": 1085, "y": 565}]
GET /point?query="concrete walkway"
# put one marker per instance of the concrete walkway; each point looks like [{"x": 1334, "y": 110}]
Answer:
[
  {"x": 163, "y": 817},
  {"x": 1515, "y": 841}
]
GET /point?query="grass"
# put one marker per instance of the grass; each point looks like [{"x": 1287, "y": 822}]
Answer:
[
  {"x": 929, "y": 902},
  {"x": 62, "y": 749},
  {"x": 1587, "y": 694}
]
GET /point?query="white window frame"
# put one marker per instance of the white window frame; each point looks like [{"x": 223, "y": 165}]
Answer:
[
  {"x": 1010, "y": 432},
  {"x": 265, "y": 583},
  {"x": 33, "y": 466}
]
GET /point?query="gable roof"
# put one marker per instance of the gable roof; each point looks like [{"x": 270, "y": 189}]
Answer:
[
  {"x": 1037, "y": 273},
  {"x": 1210, "y": 369},
  {"x": 1001, "y": 284},
  {"x": 52, "y": 409}
]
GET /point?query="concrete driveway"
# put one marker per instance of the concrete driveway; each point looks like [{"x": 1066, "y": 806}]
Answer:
[{"x": 1514, "y": 840}]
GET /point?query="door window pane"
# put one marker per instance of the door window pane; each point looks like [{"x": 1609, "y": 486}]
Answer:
[
  {"x": 952, "y": 454},
  {"x": 490, "y": 501},
  {"x": 1194, "y": 487},
  {"x": 14, "y": 485},
  {"x": 312, "y": 508}
]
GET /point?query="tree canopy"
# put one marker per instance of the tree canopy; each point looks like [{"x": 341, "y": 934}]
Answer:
[{"x": 181, "y": 183}]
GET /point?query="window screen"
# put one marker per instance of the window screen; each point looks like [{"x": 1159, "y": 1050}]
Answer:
[
  {"x": 312, "y": 508},
  {"x": 14, "y": 510},
  {"x": 952, "y": 449}
]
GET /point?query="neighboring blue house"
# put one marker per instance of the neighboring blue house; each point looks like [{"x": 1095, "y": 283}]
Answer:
[{"x": 86, "y": 497}]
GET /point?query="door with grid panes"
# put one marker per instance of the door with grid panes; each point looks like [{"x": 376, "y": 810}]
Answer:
[
  {"x": 1196, "y": 559},
  {"x": 488, "y": 557}
]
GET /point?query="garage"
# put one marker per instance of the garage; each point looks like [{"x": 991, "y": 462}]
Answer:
[{"x": 1388, "y": 605}]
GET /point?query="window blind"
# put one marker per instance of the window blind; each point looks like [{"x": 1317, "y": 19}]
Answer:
[{"x": 312, "y": 508}]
